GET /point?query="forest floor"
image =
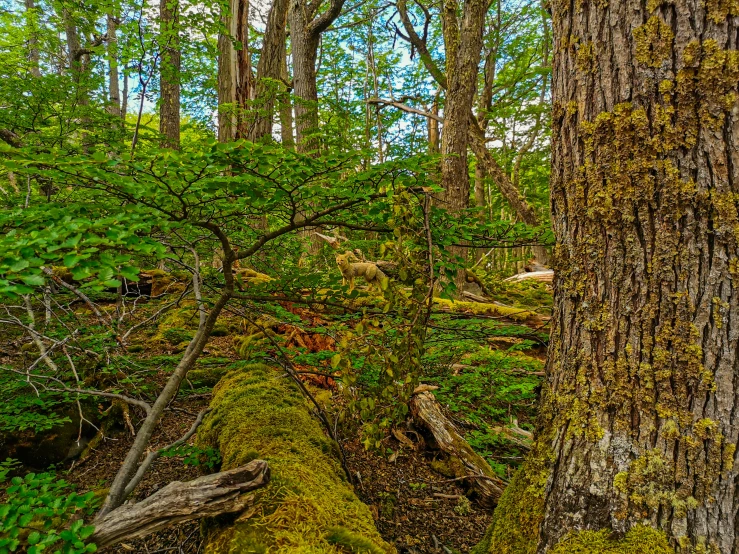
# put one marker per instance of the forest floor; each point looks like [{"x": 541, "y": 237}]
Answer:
[{"x": 487, "y": 370}]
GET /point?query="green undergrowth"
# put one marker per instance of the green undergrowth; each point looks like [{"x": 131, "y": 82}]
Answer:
[
  {"x": 527, "y": 294},
  {"x": 308, "y": 507},
  {"x": 486, "y": 386}
]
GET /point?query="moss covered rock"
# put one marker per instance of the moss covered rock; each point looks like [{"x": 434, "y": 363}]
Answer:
[{"x": 309, "y": 507}]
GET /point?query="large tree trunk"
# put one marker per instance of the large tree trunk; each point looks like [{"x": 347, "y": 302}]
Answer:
[
  {"x": 169, "y": 112},
  {"x": 463, "y": 46},
  {"x": 305, "y": 35},
  {"x": 639, "y": 422},
  {"x": 235, "y": 81},
  {"x": 269, "y": 70},
  {"x": 304, "y": 52}
]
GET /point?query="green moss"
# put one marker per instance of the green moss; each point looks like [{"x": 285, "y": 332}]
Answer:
[
  {"x": 350, "y": 542},
  {"x": 257, "y": 412},
  {"x": 638, "y": 539},
  {"x": 480, "y": 308}
]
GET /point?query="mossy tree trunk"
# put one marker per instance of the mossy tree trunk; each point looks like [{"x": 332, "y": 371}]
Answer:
[{"x": 639, "y": 417}]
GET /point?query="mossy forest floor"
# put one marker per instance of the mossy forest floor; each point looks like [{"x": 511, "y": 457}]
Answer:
[{"x": 487, "y": 368}]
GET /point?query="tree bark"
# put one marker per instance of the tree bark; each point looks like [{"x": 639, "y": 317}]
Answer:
[
  {"x": 305, "y": 35},
  {"x": 269, "y": 70},
  {"x": 235, "y": 80},
  {"x": 208, "y": 496},
  {"x": 113, "y": 78},
  {"x": 640, "y": 424},
  {"x": 32, "y": 29},
  {"x": 169, "y": 111},
  {"x": 463, "y": 47},
  {"x": 286, "y": 109}
]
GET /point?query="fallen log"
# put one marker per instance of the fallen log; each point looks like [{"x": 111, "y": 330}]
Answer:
[
  {"x": 207, "y": 496},
  {"x": 465, "y": 462},
  {"x": 545, "y": 276},
  {"x": 309, "y": 506}
]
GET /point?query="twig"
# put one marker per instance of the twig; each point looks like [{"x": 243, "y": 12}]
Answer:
[
  {"x": 152, "y": 456},
  {"x": 81, "y": 295},
  {"x": 127, "y": 399}
]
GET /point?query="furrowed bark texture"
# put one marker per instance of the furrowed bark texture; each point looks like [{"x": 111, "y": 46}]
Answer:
[
  {"x": 235, "y": 81},
  {"x": 269, "y": 70},
  {"x": 305, "y": 34},
  {"x": 169, "y": 113},
  {"x": 643, "y": 364},
  {"x": 463, "y": 43}
]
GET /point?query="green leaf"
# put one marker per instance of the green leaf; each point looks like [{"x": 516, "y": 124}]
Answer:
[{"x": 33, "y": 280}]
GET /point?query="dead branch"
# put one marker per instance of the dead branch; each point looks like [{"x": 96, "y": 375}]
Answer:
[{"x": 206, "y": 496}]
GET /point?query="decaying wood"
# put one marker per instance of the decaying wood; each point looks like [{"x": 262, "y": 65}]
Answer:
[
  {"x": 467, "y": 295},
  {"x": 428, "y": 413},
  {"x": 206, "y": 496},
  {"x": 545, "y": 276}
]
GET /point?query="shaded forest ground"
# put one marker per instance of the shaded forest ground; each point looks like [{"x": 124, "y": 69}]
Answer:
[{"x": 486, "y": 364}]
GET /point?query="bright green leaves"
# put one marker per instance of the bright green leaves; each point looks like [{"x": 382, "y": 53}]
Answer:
[
  {"x": 35, "y": 514},
  {"x": 93, "y": 243}
]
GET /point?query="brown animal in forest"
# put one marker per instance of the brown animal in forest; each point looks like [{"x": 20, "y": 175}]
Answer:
[{"x": 367, "y": 270}]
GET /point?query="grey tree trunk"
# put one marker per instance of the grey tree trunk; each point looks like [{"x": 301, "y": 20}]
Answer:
[
  {"x": 33, "y": 49},
  {"x": 235, "y": 80},
  {"x": 305, "y": 35}
]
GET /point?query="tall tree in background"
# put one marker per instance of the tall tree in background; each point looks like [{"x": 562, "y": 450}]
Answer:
[
  {"x": 468, "y": 33},
  {"x": 169, "y": 115},
  {"x": 638, "y": 423},
  {"x": 269, "y": 70},
  {"x": 462, "y": 46},
  {"x": 33, "y": 47},
  {"x": 305, "y": 34},
  {"x": 235, "y": 79},
  {"x": 114, "y": 91}
]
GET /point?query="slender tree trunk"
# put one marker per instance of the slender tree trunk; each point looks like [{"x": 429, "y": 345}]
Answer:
[
  {"x": 113, "y": 77},
  {"x": 639, "y": 422},
  {"x": 269, "y": 70},
  {"x": 463, "y": 46},
  {"x": 305, "y": 36},
  {"x": 235, "y": 80},
  {"x": 169, "y": 114},
  {"x": 286, "y": 110},
  {"x": 32, "y": 27}
]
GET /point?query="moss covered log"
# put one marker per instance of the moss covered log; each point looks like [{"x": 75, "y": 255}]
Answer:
[{"x": 309, "y": 507}]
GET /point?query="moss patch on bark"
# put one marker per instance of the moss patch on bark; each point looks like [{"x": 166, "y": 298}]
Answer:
[{"x": 309, "y": 507}]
